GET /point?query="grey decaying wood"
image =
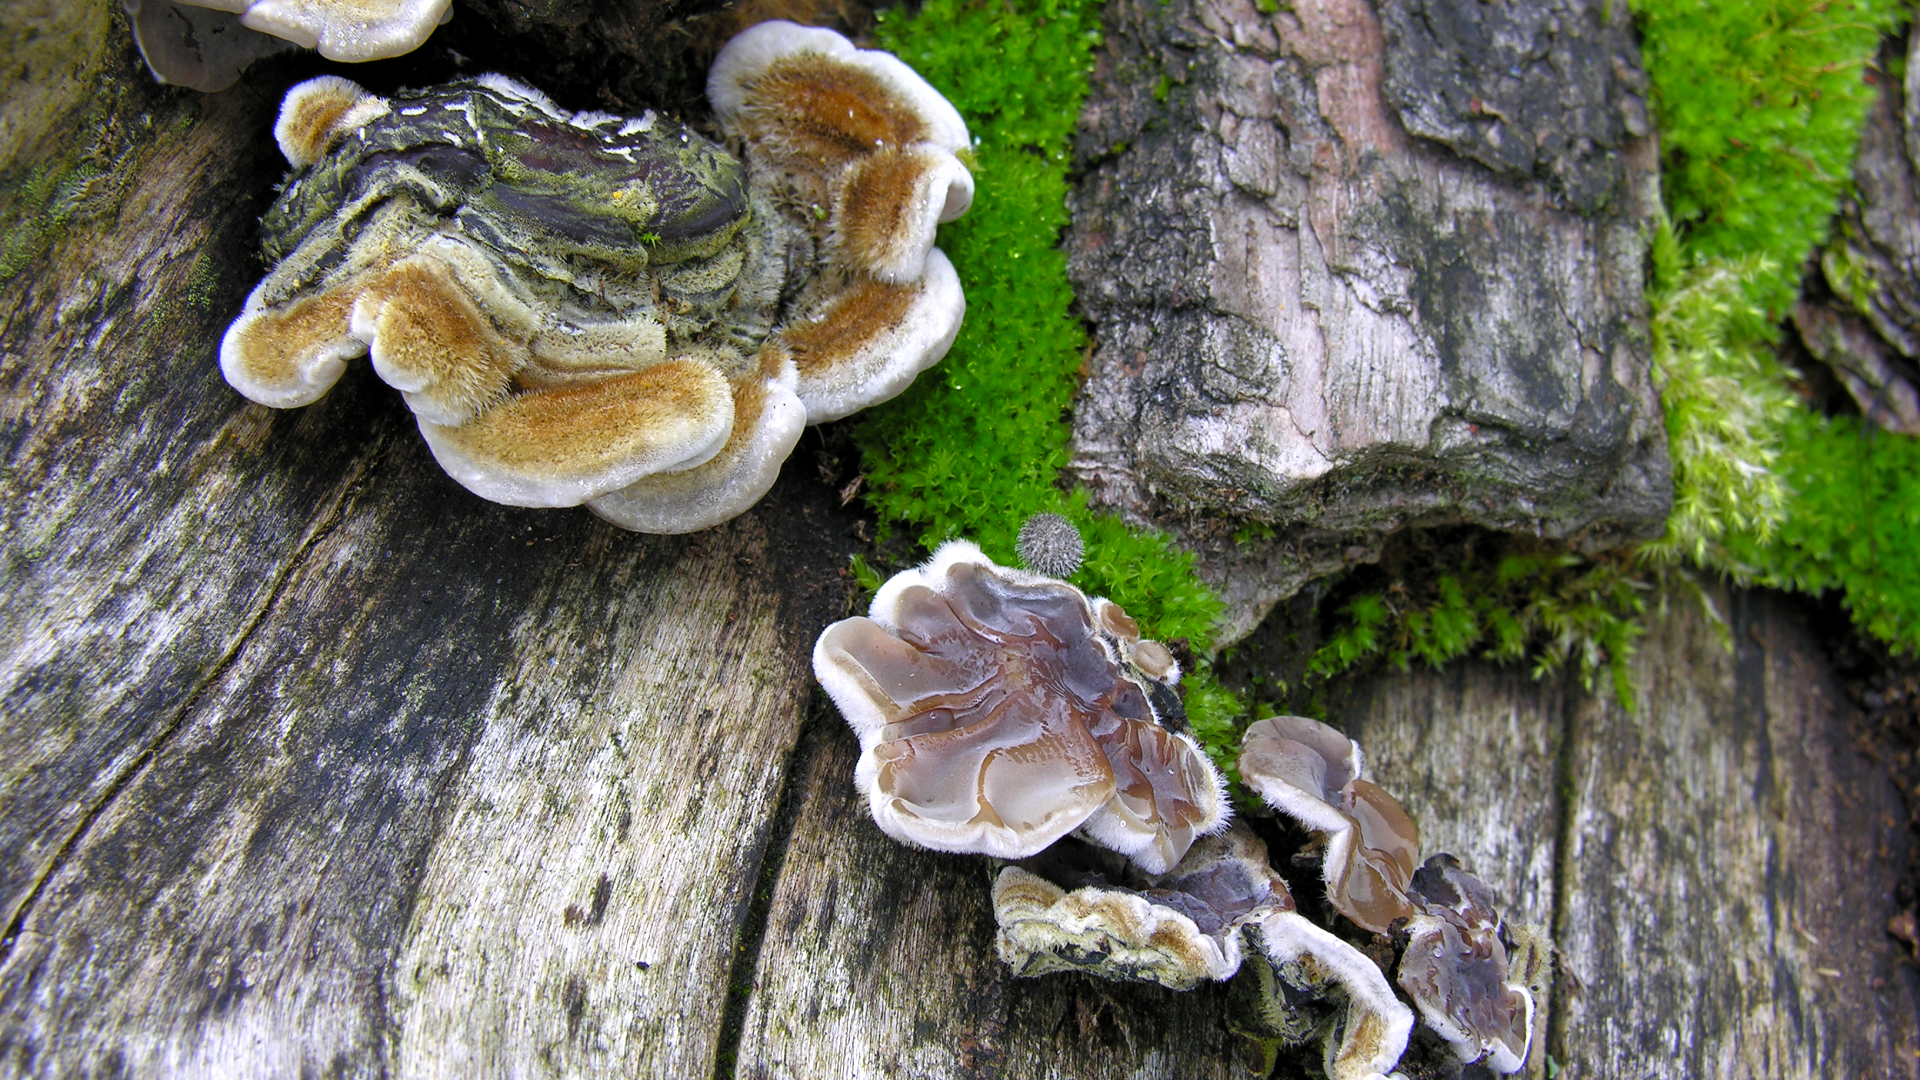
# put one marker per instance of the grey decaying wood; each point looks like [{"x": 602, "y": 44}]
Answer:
[
  {"x": 1730, "y": 866},
  {"x": 1308, "y": 319},
  {"x": 314, "y": 762}
]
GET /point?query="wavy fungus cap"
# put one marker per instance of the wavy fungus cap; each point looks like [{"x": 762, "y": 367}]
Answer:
[
  {"x": 1312, "y": 773},
  {"x": 206, "y": 44},
  {"x": 1456, "y": 970},
  {"x": 1372, "y": 1033},
  {"x": 999, "y": 710},
  {"x": 1177, "y": 929},
  {"x": 580, "y": 307}
]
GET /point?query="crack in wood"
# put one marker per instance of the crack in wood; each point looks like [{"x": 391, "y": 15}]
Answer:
[
  {"x": 772, "y": 858},
  {"x": 321, "y": 525}
]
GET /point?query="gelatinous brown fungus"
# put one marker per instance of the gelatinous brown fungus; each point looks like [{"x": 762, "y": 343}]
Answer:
[{"x": 999, "y": 710}]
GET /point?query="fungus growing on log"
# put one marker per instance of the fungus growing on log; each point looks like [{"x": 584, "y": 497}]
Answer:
[
  {"x": 1066, "y": 911},
  {"x": 1455, "y": 968},
  {"x": 1176, "y": 929},
  {"x": 586, "y": 308},
  {"x": 206, "y": 44},
  {"x": 999, "y": 710},
  {"x": 196, "y": 47},
  {"x": 1312, "y": 773}
]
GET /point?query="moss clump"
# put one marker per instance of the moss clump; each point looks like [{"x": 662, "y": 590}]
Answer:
[
  {"x": 1759, "y": 105},
  {"x": 977, "y": 444}
]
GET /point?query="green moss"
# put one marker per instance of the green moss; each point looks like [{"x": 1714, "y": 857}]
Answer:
[
  {"x": 1760, "y": 108},
  {"x": 1759, "y": 105},
  {"x": 1854, "y": 525},
  {"x": 977, "y": 444}
]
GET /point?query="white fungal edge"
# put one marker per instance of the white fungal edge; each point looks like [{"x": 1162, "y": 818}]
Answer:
[
  {"x": 1285, "y": 936},
  {"x": 1112, "y": 825},
  {"x": 491, "y": 482},
  {"x": 920, "y": 340},
  {"x": 1467, "y": 1046},
  {"x": 864, "y": 716},
  {"x": 365, "y": 109},
  {"x": 1314, "y": 811},
  {"x": 665, "y": 504},
  {"x": 1222, "y": 954},
  {"x": 348, "y": 36},
  {"x": 753, "y": 50},
  {"x": 317, "y": 371},
  {"x": 515, "y": 90},
  {"x": 941, "y": 194}
]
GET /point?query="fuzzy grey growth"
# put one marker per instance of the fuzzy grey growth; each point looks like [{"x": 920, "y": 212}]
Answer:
[{"x": 1050, "y": 544}]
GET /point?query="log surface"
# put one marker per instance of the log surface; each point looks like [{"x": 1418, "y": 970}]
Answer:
[{"x": 314, "y": 763}]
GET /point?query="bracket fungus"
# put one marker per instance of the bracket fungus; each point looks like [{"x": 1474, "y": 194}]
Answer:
[
  {"x": 1454, "y": 965},
  {"x": 1058, "y": 913},
  {"x": 1176, "y": 929},
  {"x": 1312, "y": 773},
  {"x": 587, "y": 308},
  {"x": 206, "y": 44},
  {"x": 1456, "y": 969},
  {"x": 999, "y": 710}
]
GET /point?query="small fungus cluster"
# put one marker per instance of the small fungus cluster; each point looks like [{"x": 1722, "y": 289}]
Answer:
[
  {"x": 588, "y": 308},
  {"x": 1003, "y": 712}
]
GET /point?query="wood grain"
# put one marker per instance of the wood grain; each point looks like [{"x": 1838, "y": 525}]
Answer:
[
  {"x": 314, "y": 763},
  {"x": 1474, "y": 753},
  {"x": 1731, "y": 866}
]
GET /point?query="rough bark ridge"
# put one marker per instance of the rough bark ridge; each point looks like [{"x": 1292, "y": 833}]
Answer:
[
  {"x": 1309, "y": 320},
  {"x": 1869, "y": 330}
]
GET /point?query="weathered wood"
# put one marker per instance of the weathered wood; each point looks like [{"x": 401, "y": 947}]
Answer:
[
  {"x": 146, "y": 516},
  {"x": 1730, "y": 868},
  {"x": 878, "y": 961},
  {"x": 315, "y": 762},
  {"x": 1310, "y": 318}
]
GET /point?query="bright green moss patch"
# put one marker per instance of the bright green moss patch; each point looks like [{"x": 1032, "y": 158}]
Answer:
[
  {"x": 978, "y": 443},
  {"x": 1855, "y": 523},
  {"x": 1759, "y": 104}
]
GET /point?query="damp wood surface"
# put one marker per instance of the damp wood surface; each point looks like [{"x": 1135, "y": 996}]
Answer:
[{"x": 314, "y": 763}]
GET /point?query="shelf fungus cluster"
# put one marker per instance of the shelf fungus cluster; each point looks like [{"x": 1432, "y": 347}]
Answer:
[
  {"x": 1003, "y": 712},
  {"x": 206, "y": 44},
  {"x": 586, "y": 308},
  {"x": 1455, "y": 961},
  {"x": 999, "y": 710}
]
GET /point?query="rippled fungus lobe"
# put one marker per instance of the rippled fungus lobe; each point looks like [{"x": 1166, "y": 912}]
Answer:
[
  {"x": 586, "y": 308},
  {"x": 999, "y": 710},
  {"x": 1455, "y": 963},
  {"x": 206, "y": 44},
  {"x": 1456, "y": 968},
  {"x": 1175, "y": 929},
  {"x": 1312, "y": 773}
]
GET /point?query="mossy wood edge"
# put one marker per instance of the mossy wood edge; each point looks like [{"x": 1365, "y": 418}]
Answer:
[{"x": 313, "y": 762}]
